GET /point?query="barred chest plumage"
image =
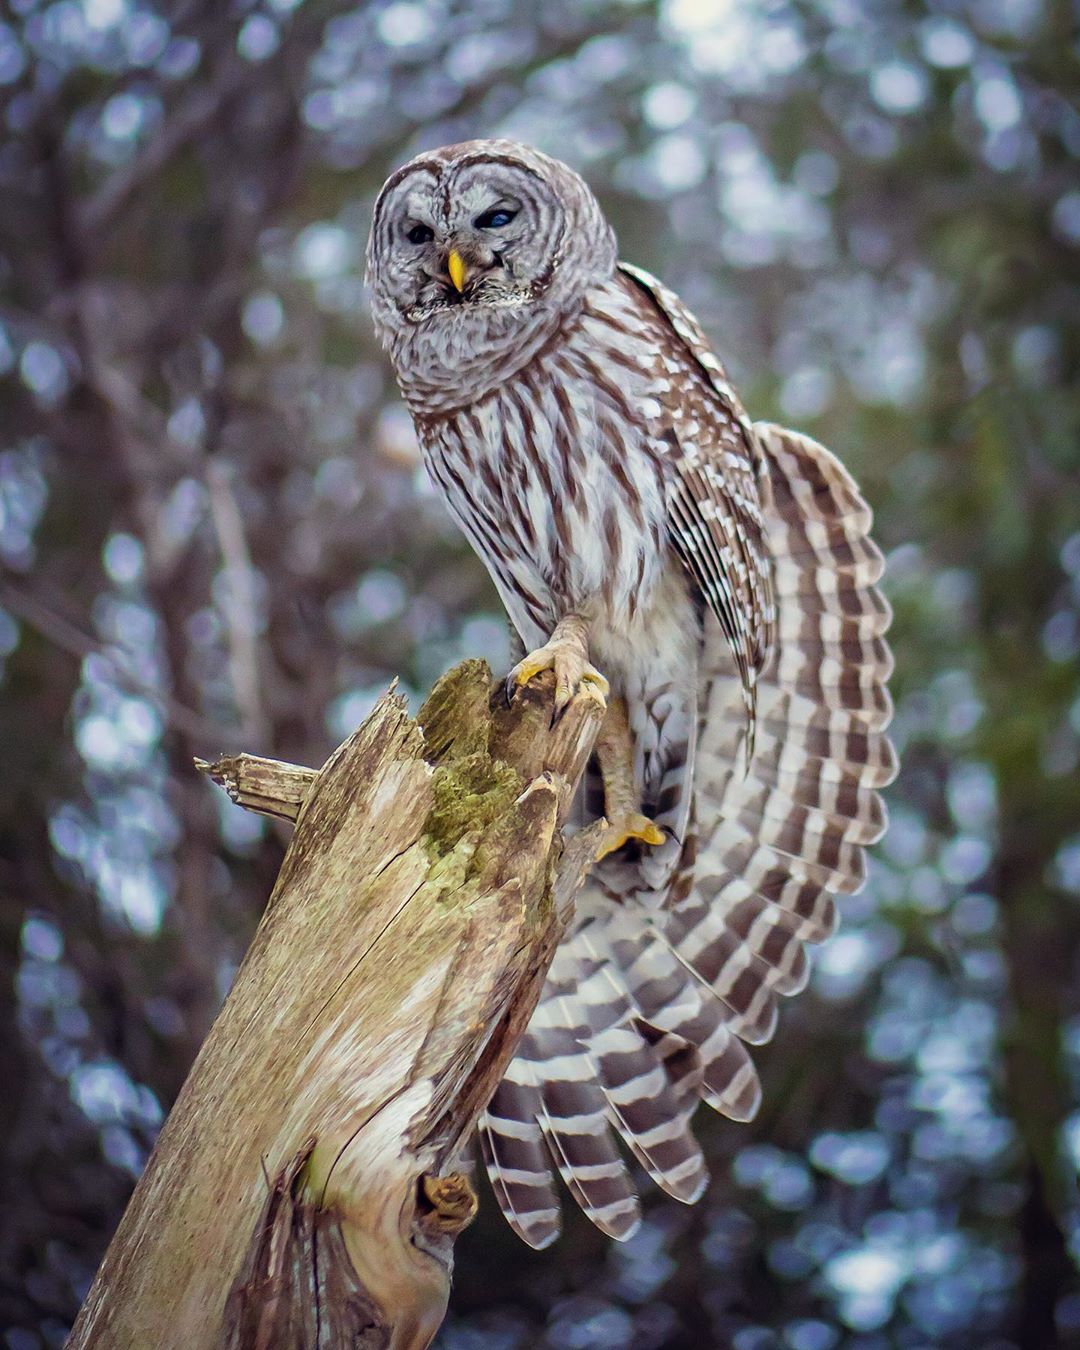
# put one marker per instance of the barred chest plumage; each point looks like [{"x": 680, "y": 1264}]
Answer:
[{"x": 556, "y": 474}]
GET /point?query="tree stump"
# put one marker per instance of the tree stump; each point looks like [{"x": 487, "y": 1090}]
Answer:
[{"x": 306, "y": 1189}]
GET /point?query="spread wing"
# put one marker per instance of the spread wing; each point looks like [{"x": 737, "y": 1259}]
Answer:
[{"x": 714, "y": 492}]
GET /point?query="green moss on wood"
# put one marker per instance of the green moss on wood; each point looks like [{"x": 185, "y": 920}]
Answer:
[
  {"x": 471, "y": 792},
  {"x": 455, "y": 718}
]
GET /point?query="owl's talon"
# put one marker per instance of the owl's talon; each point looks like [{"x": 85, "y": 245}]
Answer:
[
  {"x": 621, "y": 829},
  {"x": 566, "y": 656},
  {"x": 535, "y": 663}
]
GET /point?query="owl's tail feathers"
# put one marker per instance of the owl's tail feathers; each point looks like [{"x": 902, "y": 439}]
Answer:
[
  {"x": 517, "y": 1163},
  {"x": 626, "y": 1040},
  {"x": 550, "y": 1094},
  {"x": 649, "y": 1092}
]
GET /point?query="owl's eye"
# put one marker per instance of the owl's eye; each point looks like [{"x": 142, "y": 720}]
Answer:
[
  {"x": 494, "y": 220},
  {"x": 420, "y": 234}
]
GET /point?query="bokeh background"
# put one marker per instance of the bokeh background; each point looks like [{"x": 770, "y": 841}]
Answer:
[{"x": 215, "y": 534}]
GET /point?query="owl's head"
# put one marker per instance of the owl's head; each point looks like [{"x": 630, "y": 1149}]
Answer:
[{"x": 480, "y": 239}]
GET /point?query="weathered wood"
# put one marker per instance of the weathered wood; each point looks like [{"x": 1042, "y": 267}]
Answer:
[
  {"x": 269, "y": 786},
  {"x": 305, "y": 1189}
]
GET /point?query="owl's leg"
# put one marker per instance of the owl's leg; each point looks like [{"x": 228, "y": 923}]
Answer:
[
  {"x": 615, "y": 752},
  {"x": 567, "y": 653}
]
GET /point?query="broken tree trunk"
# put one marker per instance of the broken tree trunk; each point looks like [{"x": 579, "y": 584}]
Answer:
[{"x": 304, "y": 1191}]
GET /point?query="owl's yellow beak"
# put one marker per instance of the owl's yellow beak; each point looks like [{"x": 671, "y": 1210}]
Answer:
[{"x": 455, "y": 265}]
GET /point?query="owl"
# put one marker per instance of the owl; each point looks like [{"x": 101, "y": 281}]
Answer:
[{"x": 713, "y": 578}]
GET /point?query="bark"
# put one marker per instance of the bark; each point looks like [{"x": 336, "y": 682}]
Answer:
[{"x": 307, "y": 1188}]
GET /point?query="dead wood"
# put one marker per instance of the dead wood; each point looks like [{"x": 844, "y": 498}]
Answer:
[{"x": 307, "y": 1188}]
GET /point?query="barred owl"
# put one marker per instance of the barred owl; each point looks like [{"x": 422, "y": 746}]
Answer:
[{"x": 719, "y": 574}]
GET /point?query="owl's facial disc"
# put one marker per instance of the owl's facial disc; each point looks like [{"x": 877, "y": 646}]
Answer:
[
  {"x": 478, "y": 253},
  {"x": 471, "y": 234},
  {"x": 468, "y": 257}
]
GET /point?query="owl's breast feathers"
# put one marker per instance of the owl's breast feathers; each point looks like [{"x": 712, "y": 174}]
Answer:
[{"x": 584, "y": 474}]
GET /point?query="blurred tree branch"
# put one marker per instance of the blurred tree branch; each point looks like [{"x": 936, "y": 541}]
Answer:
[{"x": 71, "y": 638}]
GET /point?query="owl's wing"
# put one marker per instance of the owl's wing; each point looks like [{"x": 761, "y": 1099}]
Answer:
[
  {"x": 646, "y": 1010},
  {"x": 714, "y": 489}
]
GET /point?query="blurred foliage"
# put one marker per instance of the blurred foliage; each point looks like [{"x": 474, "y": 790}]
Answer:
[{"x": 215, "y": 534}]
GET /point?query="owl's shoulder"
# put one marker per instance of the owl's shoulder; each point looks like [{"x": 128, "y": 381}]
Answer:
[{"x": 686, "y": 336}]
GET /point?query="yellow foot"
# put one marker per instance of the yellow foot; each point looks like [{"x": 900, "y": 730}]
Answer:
[
  {"x": 632, "y": 825},
  {"x": 572, "y": 670}
]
